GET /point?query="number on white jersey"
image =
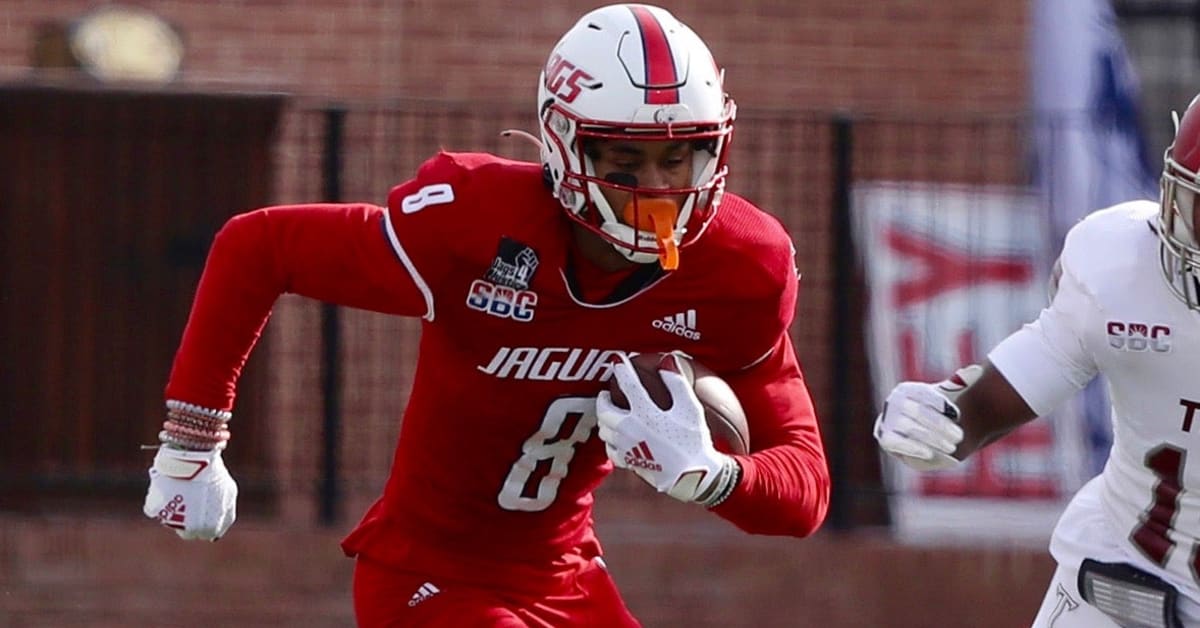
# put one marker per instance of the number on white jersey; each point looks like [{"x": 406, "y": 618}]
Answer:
[
  {"x": 532, "y": 482},
  {"x": 1153, "y": 535}
]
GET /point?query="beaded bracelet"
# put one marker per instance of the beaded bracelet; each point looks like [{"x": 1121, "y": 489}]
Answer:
[{"x": 189, "y": 426}]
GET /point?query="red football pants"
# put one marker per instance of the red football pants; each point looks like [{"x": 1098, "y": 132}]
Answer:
[{"x": 388, "y": 598}]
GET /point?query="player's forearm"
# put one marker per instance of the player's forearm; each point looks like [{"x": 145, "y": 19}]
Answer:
[
  {"x": 784, "y": 488},
  {"x": 784, "y": 491},
  {"x": 974, "y": 441},
  {"x": 988, "y": 410}
]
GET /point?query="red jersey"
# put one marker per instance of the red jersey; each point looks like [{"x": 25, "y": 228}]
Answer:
[{"x": 498, "y": 455}]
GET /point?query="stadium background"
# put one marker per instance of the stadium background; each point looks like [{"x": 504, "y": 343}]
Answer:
[{"x": 111, "y": 193}]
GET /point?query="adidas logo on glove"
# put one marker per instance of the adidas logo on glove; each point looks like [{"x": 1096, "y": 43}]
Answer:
[{"x": 640, "y": 457}]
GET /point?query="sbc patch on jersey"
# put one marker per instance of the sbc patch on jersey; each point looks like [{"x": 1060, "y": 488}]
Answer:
[
  {"x": 514, "y": 265},
  {"x": 1125, "y": 336},
  {"x": 504, "y": 290},
  {"x": 502, "y": 301}
]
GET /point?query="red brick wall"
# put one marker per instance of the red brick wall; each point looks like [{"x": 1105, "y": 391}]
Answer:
[
  {"x": 822, "y": 54},
  {"x": 906, "y": 56}
]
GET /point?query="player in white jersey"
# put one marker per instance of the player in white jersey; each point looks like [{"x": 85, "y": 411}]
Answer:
[{"x": 1126, "y": 303}]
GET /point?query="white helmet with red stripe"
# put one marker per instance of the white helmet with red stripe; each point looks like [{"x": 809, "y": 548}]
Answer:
[
  {"x": 633, "y": 71},
  {"x": 1180, "y": 250}
]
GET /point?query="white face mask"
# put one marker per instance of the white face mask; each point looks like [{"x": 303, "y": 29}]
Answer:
[
  {"x": 1179, "y": 253},
  {"x": 1185, "y": 201}
]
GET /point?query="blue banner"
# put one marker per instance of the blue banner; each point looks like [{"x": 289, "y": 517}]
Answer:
[{"x": 1089, "y": 149}]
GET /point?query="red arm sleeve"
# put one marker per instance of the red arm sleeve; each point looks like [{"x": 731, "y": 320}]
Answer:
[
  {"x": 334, "y": 253},
  {"x": 785, "y": 481}
]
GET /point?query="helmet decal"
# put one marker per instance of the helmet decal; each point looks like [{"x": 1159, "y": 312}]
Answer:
[
  {"x": 564, "y": 80},
  {"x": 661, "y": 75}
]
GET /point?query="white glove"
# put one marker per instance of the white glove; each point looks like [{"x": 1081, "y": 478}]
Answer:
[
  {"x": 670, "y": 449},
  {"x": 919, "y": 422},
  {"x": 191, "y": 492}
]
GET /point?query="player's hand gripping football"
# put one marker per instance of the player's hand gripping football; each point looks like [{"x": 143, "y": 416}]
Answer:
[
  {"x": 670, "y": 449},
  {"x": 191, "y": 491},
  {"x": 919, "y": 422}
]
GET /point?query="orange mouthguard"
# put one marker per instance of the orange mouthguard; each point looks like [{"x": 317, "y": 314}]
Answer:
[{"x": 657, "y": 215}]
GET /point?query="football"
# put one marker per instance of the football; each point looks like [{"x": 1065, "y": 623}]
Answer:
[{"x": 723, "y": 411}]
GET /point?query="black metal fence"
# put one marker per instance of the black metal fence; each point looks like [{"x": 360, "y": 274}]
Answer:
[{"x": 331, "y": 384}]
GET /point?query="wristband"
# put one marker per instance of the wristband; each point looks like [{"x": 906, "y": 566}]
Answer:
[
  {"x": 183, "y": 407},
  {"x": 193, "y": 427},
  {"x": 727, "y": 481}
]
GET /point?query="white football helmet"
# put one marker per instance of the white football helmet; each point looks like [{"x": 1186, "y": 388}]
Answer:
[
  {"x": 1179, "y": 252},
  {"x": 633, "y": 71}
]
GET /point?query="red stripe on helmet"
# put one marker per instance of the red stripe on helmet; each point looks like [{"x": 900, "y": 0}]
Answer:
[{"x": 659, "y": 62}]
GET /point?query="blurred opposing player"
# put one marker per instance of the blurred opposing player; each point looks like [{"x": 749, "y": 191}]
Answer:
[
  {"x": 486, "y": 518},
  {"x": 1128, "y": 544}
]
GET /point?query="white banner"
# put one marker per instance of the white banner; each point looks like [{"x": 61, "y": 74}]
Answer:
[{"x": 951, "y": 271}]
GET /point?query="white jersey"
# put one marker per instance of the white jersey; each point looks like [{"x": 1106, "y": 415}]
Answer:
[{"x": 1115, "y": 314}]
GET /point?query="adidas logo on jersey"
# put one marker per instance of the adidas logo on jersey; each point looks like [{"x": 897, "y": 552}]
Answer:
[
  {"x": 682, "y": 324},
  {"x": 639, "y": 456},
  {"x": 424, "y": 592}
]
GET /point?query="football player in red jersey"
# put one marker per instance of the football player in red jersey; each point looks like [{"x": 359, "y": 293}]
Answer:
[{"x": 528, "y": 311}]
